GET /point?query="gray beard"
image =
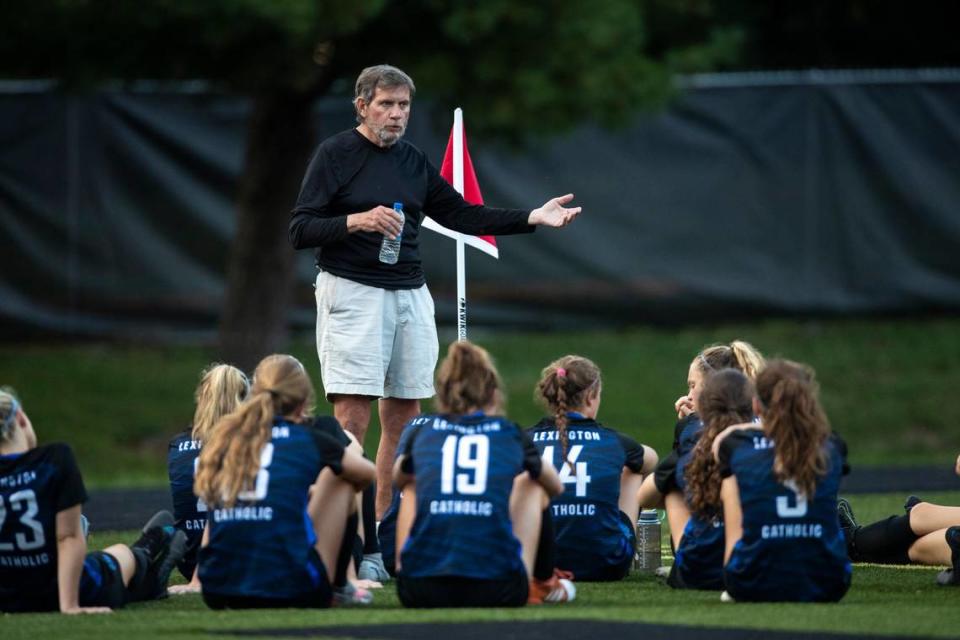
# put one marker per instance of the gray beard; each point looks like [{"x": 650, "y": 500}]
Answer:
[{"x": 388, "y": 138}]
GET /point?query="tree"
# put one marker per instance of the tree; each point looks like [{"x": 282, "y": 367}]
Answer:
[{"x": 520, "y": 68}]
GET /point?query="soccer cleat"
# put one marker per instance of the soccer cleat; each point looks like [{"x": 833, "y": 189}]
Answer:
[
  {"x": 153, "y": 540},
  {"x": 910, "y": 503},
  {"x": 951, "y": 577},
  {"x": 158, "y": 573},
  {"x": 349, "y": 595},
  {"x": 848, "y": 523},
  {"x": 663, "y": 572},
  {"x": 726, "y": 597},
  {"x": 371, "y": 568},
  {"x": 556, "y": 589}
]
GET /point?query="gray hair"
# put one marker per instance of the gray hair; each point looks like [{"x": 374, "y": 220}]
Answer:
[
  {"x": 381, "y": 75},
  {"x": 9, "y": 406}
]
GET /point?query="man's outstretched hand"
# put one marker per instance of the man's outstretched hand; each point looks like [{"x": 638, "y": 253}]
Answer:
[{"x": 553, "y": 213}]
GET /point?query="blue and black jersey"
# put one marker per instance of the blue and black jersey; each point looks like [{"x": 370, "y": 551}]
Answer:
[
  {"x": 669, "y": 472},
  {"x": 189, "y": 511},
  {"x": 464, "y": 468},
  {"x": 591, "y": 532},
  {"x": 34, "y": 487},
  {"x": 263, "y": 547},
  {"x": 698, "y": 561},
  {"x": 792, "y": 548}
]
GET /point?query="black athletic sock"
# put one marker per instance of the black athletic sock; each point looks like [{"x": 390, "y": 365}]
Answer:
[
  {"x": 546, "y": 557},
  {"x": 346, "y": 550},
  {"x": 371, "y": 544},
  {"x": 885, "y": 541}
]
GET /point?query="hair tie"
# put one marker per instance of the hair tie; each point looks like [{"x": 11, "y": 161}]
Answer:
[
  {"x": 561, "y": 372},
  {"x": 706, "y": 365}
]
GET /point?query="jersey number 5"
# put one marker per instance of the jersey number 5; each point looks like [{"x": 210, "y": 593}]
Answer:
[
  {"x": 470, "y": 453},
  {"x": 26, "y": 501}
]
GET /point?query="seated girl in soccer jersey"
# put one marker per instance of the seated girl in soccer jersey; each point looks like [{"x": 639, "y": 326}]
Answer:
[
  {"x": 665, "y": 487},
  {"x": 221, "y": 390},
  {"x": 44, "y": 564},
  {"x": 927, "y": 534},
  {"x": 601, "y": 469},
  {"x": 474, "y": 526},
  {"x": 281, "y": 496},
  {"x": 779, "y": 494},
  {"x": 725, "y": 399}
]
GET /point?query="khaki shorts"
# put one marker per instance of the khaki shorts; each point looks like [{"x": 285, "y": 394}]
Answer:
[{"x": 375, "y": 342}]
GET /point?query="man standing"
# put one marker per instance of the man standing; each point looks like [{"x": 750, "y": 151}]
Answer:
[{"x": 376, "y": 335}]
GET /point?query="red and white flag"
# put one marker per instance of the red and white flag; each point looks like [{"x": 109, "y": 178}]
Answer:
[{"x": 469, "y": 189}]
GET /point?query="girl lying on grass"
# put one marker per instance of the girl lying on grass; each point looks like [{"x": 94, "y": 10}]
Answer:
[{"x": 44, "y": 564}]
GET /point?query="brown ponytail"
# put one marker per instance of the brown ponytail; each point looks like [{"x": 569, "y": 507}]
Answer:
[
  {"x": 794, "y": 419},
  {"x": 726, "y": 399},
  {"x": 467, "y": 380},
  {"x": 567, "y": 384},
  {"x": 230, "y": 459}
]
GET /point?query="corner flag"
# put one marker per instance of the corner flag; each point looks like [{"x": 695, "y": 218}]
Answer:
[{"x": 458, "y": 157}]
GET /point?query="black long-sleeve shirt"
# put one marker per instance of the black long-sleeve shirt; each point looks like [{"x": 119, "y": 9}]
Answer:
[{"x": 349, "y": 174}]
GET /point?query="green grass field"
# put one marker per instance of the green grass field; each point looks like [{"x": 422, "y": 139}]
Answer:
[
  {"x": 888, "y": 386},
  {"x": 882, "y": 601}
]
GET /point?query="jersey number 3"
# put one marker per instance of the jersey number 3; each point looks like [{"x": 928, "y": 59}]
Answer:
[
  {"x": 259, "y": 491},
  {"x": 784, "y": 510},
  {"x": 470, "y": 454},
  {"x": 26, "y": 501}
]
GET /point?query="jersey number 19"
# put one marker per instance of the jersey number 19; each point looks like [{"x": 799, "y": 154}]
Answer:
[{"x": 470, "y": 454}]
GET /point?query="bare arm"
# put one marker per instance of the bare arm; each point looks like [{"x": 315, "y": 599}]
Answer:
[
  {"x": 71, "y": 550},
  {"x": 549, "y": 479},
  {"x": 400, "y": 477},
  {"x": 732, "y": 515},
  {"x": 357, "y": 470},
  {"x": 194, "y": 585},
  {"x": 405, "y": 517},
  {"x": 715, "y": 447}
]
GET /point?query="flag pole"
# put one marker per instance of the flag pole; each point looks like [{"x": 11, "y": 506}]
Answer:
[{"x": 461, "y": 260}]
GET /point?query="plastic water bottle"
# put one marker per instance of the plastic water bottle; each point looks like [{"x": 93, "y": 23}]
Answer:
[
  {"x": 390, "y": 249},
  {"x": 647, "y": 556}
]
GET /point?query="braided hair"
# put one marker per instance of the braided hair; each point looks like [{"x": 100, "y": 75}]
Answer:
[{"x": 567, "y": 384}]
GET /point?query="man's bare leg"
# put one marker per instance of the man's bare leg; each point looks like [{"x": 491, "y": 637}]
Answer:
[
  {"x": 353, "y": 413},
  {"x": 394, "y": 413}
]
